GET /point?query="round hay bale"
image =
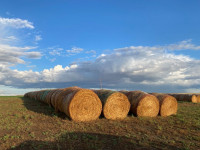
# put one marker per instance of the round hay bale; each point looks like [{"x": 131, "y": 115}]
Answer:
[
  {"x": 44, "y": 95},
  {"x": 115, "y": 104},
  {"x": 80, "y": 104},
  {"x": 61, "y": 95},
  {"x": 194, "y": 99},
  {"x": 26, "y": 94},
  {"x": 38, "y": 95},
  {"x": 168, "y": 104},
  {"x": 54, "y": 98},
  {"x": 41, "y": 95},
  {"x": 185, "y": 97},
  {"x": 198, "y": 98},
  {"x": 143, "y": 104},
  {"x": 48, "y": 97}
]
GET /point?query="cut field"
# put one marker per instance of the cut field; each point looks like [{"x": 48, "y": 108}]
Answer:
[{"x": 28, "y": 124}]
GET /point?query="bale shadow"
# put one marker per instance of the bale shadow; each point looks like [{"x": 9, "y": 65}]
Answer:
[
  {"x": 43, "y": 108},
  {"x": 90, "y": 141}
]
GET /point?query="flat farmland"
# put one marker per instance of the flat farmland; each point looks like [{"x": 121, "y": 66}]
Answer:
[{"x": 27, "y": 124}]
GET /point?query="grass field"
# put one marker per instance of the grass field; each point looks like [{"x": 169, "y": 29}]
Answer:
[{"x": 28, "y": 124}]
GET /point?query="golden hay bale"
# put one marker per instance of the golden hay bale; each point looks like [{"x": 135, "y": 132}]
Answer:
[
  {"x": 143, "y": 104},
  {"x": 79, "y": 104},
  {"x": 48, "y": 97},
  {"x": 115, "y": 104},
  {"x": 194, "y": 99},
  {"x": 54, "y": 97},
  {"x": 198, "y": 98},
  {"x": 185, "y": 97},
  {"x": 168, "y": 104},
  {"x": 61, "y": 95}
]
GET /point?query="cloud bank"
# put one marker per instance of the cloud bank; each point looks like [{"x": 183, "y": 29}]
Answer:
[
  {"x": 148, "y": 68},
  {"x": 152, "y": 69},
  {"x": 11, "y": 53}
]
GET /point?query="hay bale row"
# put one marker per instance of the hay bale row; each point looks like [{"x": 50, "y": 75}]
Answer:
[
  {"x": 115, "y": 104},
  {"x": 85, "y": 105},
  {"x": 187, "y": 97},
  {"x": 78, "y": 104},
  {"x": 167, "y": 104}
]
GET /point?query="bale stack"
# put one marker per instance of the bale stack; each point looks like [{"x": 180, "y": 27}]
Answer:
[
  {"x": 185, "y": 97},
  {"x": 115, "y": 104},
  {"x": 79, "y": 104},
  {"x": 143, "y": 104},
  {"x": 168, "y": 104}
]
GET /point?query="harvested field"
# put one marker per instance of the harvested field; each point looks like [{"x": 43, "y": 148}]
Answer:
[{"x": 29, "y": 125}]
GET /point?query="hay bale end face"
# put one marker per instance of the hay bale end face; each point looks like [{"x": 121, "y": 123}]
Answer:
[
  {"x": 194, "y": 99},
  {"x": 168, "y": 104},
  {"x": 143, "y": 104},
  {"x": 115, "y": 104},
  {"x": 198, "y": 98},
  {"x": 81, "y": 104}
]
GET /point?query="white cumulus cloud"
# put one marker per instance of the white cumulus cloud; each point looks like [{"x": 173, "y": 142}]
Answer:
[
  {"x": 11, "y": 55},
  {"x": 16, "y": 23}
]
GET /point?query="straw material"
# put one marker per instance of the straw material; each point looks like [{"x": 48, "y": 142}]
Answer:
[
  {"x": 168, "y": 104},
  {"x": 48, "y": 97},
  {"x": 79, "y": 104},
  {"x": 60, "y": 97},
  {"x": 185, "y": 97},
  {"x": 143, "y": 104},
  {"x": 198, "y": 99},
  {"x": 54, "y": 98},
  {"x": 115, "y": 104},
  {"x": 194, "y": 99}
]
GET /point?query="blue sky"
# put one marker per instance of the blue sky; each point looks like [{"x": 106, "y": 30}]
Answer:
[{"x": 135, "y": 45}]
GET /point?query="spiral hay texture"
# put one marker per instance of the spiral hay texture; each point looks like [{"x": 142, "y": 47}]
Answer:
[
  {"x": 143, "y": 104},
  {"x": 198, "y": 99},
  {"x": 185, "y": 97},
  {"x": 168, "y": 104},
  {"x": 115, "y": 104},
  {"x": 78, "y": 104}
]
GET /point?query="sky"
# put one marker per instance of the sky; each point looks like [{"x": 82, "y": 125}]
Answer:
[{"x": 153, "y": 46}]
